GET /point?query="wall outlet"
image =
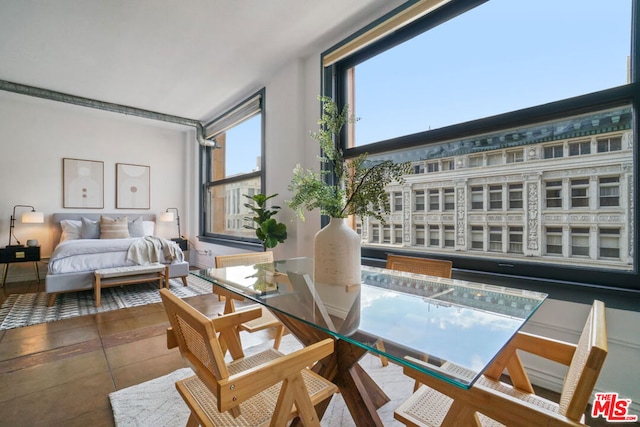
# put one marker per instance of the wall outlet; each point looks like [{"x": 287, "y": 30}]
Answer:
[{"x": 208, "y": 252}]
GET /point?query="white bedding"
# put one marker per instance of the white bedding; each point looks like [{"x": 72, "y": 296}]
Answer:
[{"x": 81, "y": 255}]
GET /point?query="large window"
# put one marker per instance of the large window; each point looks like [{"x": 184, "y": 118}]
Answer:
[
  {"x": 233, "y": 169},
  {"x": 537, "y": 131}
]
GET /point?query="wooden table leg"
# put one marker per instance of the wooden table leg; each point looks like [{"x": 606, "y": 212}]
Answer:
[{"x": 361, "y": 394}]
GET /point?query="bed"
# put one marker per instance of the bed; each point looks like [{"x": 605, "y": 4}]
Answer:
[{"x": 85, "y": 242}]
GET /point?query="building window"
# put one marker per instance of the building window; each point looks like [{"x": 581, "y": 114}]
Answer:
[
  {"x": 419, "y": 168},
  {"x": 419, "y": 200},
  {"x": 495, "y": 239},
  {"x": 375, "y": 233},
  {"x": 515, "y": 156},
  {"x": 397, "y": 234},
  {"x": 609, "y": 243},
  {"x": 448, "y": 165},
  {"x": 515, "y": 196},
  {"x": 477, "y": 198},
  {"x": 579, "y": 148},
  {"x": 494, "y": 159},
  {"x": 553, "y": 194},
  {"x": 234, "y": 168},
  {"x": 553, "y": 151},
  {"x": 449, "y": 199},
  {"x": 609, "y": 191},
  {"x": 386, "y": 233},
  {"x": 397, "y": 201},
  {"x": 580, "y": 193},
  {"x": 580, "y": 241},
  {"x": 495, "y": 197},
  {"x": 434, "y": 235},
  {"x": 433, "y": 167},
  {"x": 554, "y": 240},
  {"x": 609, "y": 144},
  {"x": 434, "y": 200},
  {"x": 515, "y": 240},
  {"x": 449, "y": 236},
  {"x": 477, "y": 237},
  {"x": 419, "y": 235},
  {"x": 476, "y": 161}
]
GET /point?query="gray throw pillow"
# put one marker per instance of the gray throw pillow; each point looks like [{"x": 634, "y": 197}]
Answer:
[
  {"x": 136, "y": 227},
  {"x": 90, "y": 229}
]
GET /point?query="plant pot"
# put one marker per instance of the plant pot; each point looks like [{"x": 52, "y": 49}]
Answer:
[{"x": 336, "y": 255}]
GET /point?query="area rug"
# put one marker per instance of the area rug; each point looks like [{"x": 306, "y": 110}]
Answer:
[
  {"x": 30, "y": 309},
  {"x": 157, "y": 402}
]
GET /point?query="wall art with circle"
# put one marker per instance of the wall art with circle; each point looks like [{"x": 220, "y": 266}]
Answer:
[
  {"x": 133, "y": 184},
  {"x": 82, "y": 184}
]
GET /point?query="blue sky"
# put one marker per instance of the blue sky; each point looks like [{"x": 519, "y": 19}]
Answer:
[{"x": 501, "y": 56}]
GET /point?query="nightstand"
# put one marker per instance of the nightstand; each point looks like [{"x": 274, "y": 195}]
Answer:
[{"x": 11, "y": 254}]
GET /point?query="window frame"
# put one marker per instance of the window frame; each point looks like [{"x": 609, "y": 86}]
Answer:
[
  {"x": 336, "y": 83},
  {"x": 206, "y": 181}
]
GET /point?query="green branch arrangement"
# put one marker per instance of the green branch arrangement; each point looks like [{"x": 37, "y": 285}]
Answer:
[
  {"x": 359, "y": 185},
  {"x": 268, "y": 230}
]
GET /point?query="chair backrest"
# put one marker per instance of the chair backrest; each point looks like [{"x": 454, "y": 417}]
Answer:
[
  {"x": 197, "y": 340},
  {"x": 430, "y": 267},
  {"x": 243, "y": 259},
  {"x": 586, "y": 364}
]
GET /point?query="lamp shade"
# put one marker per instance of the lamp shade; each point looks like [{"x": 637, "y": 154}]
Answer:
[
  {"x": 33, "y": 217},
  {"x": 166, "y": 217}
]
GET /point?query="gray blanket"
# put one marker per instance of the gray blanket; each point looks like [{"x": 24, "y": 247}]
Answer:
[{"x": 151, "y": 249}]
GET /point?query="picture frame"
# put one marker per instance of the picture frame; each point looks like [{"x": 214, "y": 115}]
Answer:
[
  {"x": 133, "y": 186},
  {"x": 82, "y": 184}
]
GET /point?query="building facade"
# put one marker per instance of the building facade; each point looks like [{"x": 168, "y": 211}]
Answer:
[{"x": 555, "y": 193}]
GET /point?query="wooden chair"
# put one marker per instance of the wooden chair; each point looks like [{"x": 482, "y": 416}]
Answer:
[
  {"x": 490, "y": 402},
  {"x": 255, "y": 390},
  {"x": 430, "y": 267},
  {"x": 267, "y": 320}
]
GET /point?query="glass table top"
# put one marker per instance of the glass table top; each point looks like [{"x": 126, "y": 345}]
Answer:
[{"x": 448, "y": 328}]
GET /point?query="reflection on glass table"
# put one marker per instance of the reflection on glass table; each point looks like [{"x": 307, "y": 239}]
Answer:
[{"x": 428, "y": 323}]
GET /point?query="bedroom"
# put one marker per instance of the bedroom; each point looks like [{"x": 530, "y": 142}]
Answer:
[{"x": 36, "y": 134}]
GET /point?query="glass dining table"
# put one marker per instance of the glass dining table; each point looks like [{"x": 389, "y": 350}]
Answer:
[{"x": 450, "y": 329}]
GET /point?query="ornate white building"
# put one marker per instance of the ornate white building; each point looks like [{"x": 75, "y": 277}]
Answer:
[{"x": 560, "y": 192}]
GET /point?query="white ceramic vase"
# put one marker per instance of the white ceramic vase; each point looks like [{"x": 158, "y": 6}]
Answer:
[{"x": 336, "y": 254}]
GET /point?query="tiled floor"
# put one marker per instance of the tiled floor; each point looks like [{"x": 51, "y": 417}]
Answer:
[{"x": 61, "y": 373}]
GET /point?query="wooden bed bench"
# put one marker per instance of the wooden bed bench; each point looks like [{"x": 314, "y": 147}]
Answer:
[{"x": 118, "y": 276}]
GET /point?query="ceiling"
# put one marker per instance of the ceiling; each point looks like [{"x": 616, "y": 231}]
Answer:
[{"x": 187, "y": 58}]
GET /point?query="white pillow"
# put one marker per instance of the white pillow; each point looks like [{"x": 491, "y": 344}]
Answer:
[
  {"x": 71, "y": 229},
  {"x": 149, "y": 227}
]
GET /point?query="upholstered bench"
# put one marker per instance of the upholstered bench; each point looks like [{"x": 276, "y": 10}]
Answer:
[{"x": 118, "y": 276}]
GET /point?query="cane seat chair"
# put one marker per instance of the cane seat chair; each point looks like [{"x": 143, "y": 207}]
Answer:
[
  {"x": 491, "y": 402},
  {"x": 427, "y": 266},
  {"x": 267, "y": 388},
  {"x": 267, "y": 320}
]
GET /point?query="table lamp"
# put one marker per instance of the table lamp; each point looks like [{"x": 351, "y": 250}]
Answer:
[{"x": 31, "y": 217}]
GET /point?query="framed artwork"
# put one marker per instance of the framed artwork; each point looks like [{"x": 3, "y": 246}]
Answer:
[
  {"x": 133, "y": 186},
  {"x": 82, "y": 184}
]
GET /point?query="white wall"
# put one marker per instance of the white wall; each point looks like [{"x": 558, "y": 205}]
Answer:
[{"x": 36, "y": 134}]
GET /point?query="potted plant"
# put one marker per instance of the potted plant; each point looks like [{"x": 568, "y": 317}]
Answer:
[
  {"x": 268, "y": 230},
  {"x": 342, "y": 188}
]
